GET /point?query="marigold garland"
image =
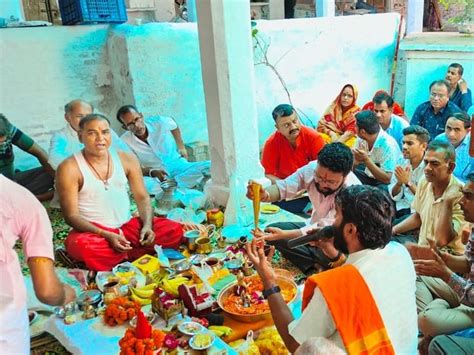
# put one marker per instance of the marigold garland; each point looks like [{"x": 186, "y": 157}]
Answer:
[
  {"x": 130, "y": 345},
  {"x": 120, "y": 310}
]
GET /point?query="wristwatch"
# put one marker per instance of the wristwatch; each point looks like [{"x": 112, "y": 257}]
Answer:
[{"x": 268, "y": 292}]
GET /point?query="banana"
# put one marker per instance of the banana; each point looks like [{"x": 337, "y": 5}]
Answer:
[
  {"x": 142, "y": 293},
  {"x": 217, "y": 332},
  {"x": 151, "y": 286},
  {"x": 142, "y": 301},
  {"x": 221, "y": 329}
]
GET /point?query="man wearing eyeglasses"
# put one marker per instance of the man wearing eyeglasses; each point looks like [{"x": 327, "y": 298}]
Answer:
[
  {"x": 322, "y": 179},
  {"x": 158, "y": 144},
  {"x": 65, "y": 142},
  {"x": 434, "y": 113}
]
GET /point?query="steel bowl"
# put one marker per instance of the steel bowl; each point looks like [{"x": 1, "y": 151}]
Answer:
[{"x": 251, "y": 318}]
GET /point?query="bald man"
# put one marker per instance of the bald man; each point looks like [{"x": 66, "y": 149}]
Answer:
[{"x": 65, "y": 142}]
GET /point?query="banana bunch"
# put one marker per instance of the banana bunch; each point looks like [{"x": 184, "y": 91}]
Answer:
[
  {"x": 220, "y": 330},
  {"x": 157, "y": 276},
  {"x": 143, "y": 294},
  {"x": 171, "y": 285}
]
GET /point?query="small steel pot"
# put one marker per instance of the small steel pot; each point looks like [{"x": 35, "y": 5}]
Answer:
[{"x": 89, "y": 297}]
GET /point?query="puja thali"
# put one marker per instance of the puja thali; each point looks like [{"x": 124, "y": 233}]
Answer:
[{"x": 258, "y": 308}]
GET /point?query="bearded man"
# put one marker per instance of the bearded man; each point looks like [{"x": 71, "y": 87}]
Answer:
[{"x": 322, "y": 179}]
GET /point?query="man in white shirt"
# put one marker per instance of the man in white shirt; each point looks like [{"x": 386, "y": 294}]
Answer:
[
  {"x": 457, "y": 133},
  {"x": 375, "y": 151},
  {"x": 409, "y": 170},
  {"x": 160, "y": 149},
  {"x": 390, "y": 123},
  {"x": 322, "y": 179},
  {"x": 65, "y": 142},
  {"x": 362, "y": 228}
]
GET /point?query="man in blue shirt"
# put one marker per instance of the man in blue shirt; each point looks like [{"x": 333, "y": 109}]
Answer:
[
  {"x": 460, "y": 94},
  {"x": 457, "y": 133},
  {"x": 391, "y": 123},
  {"x": 434, "y": 113}
]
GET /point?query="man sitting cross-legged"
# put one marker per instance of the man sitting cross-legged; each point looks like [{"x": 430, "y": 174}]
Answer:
[
  {"x": 434, "y": 113},
  {"x": 409, "y": 170},
  {"x": 159, "y": 147},
  {"x": 460, "y": 94},
  {"x": 437, "y": 210},
  {"x": 445, "y": 299},
  {"x": 37, "y": 180},
  {"x": 366, "y": 306},
  {"x": 390, "y": 122},
  {"x": 457, "y": 133},
  {"x": 375, "y": 153},
  {"x": 291, "y": 147},
  {"x": 93, "y": 192},
  {"x": 322, "y": 179}
]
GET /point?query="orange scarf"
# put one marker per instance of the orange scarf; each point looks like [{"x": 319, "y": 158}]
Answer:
[
  {"x": 337, "y": 120},
  {"x": 353, "y": 309}
]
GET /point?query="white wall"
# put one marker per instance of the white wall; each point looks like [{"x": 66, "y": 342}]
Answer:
[
  {"x": 157, "y": 67},
  {"x": 11, "y": 8}
]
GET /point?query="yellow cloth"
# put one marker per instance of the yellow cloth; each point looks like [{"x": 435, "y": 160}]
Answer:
[{"x": 350, "y": 142}]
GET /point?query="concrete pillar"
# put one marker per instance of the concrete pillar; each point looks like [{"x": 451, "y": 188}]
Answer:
[
  {"x": 325, "y": 8},
  {"x": 415, "y": 16},
  {"x": 191, "y": 8},
  {"x": 225, "y": 43},
  {"x": 277, "y": 9}
]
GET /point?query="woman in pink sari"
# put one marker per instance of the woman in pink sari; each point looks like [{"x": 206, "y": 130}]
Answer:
[{"x": 338, "y": 121}]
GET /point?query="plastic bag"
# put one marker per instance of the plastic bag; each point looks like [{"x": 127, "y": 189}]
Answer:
[
  {"x": 190, "y": 198},
  {"x": 247, "y": 346},
  {"x": 162, "y": 258},
  {"x": 186, "y": 215},
  {"x": 204, "y": 272}
]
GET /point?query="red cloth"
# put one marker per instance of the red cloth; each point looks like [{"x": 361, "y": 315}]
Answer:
[
  {"x": 96, "y": 252},
  {"x": 143, "y": 328},
  {"x": 279, "y": 158}
]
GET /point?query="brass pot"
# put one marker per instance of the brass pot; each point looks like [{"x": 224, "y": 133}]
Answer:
[
  {"x": 203, "y": 245},
  {"x": 282, "y": 281}
]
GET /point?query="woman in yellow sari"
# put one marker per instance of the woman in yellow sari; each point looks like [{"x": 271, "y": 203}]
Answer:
[{"x": 338, "y": 122}]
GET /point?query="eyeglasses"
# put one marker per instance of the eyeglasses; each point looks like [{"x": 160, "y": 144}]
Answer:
[{"x": 132, "y": 124}]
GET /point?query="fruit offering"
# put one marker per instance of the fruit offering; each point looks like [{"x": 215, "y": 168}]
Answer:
[
  {"x": 130, "y": 344},
  {"x": 143, "y": 294},
  {"x": 201, "y": 341},
  {"x": 120, "y": 310}
]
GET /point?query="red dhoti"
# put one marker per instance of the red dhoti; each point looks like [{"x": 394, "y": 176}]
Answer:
[{"x": 96, "y": 252}]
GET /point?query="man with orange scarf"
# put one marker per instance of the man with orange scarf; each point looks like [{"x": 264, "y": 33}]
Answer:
[
  {"x": 356, "y": 305},
  {"x": 338, "y": 121}
]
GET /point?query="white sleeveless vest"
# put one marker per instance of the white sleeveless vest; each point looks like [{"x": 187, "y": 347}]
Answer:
[{"x": 111, "y": 207}]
